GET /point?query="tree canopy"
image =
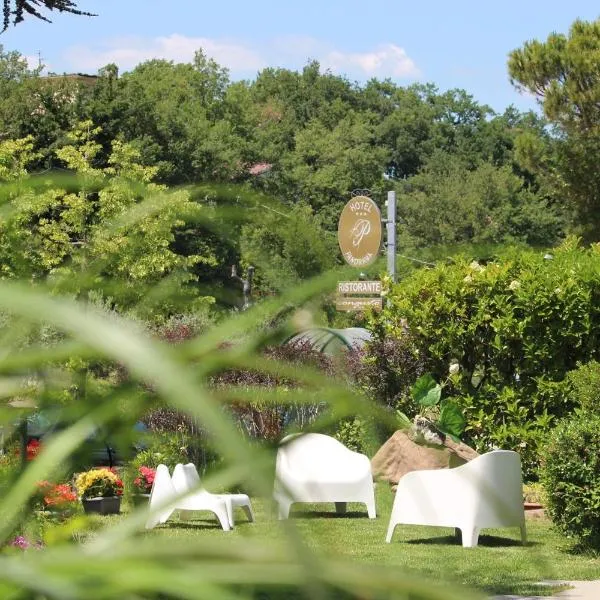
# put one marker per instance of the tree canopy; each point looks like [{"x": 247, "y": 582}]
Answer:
[{"x": 563, "y": 73}]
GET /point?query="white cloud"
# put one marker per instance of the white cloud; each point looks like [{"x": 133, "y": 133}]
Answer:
[
  {"x": 386, "y": 60},
  {"x": 32, "y": 61},
  {"x": 128, "y": 52}
]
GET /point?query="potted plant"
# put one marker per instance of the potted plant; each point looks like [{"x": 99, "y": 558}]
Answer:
[
  {"x": 142, "y": 484},
  {"x": 100, "y": 491}
]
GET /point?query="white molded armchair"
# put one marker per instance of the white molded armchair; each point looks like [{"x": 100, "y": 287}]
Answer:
[
  {"x": 183, "y": 493},
  {"x": 313, "y": 467},
  {"x": 185, "y": 479},
  {"x": 485, "y": 492}
]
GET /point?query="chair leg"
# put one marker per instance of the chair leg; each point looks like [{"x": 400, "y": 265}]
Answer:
[
  {"x": 341, "y": 507},
  {"x": 159, "y": 519},
  {"x": 390, "y": 531},
  {"x": 248, "y": 510},
  {"x": 284, "y": 509},
  {"x": 223, "y": 517},
  {"x": 371, "y": 509},
  {"x": 470, "y": 537},
  {"x": 523, "y": 534}
]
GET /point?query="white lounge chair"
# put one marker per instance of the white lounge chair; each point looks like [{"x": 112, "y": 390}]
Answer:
[
  {"x": 313, "y": 467},
  {"x": 185, "y": 479},
  {"x": 485, "y": 492},
  {"x": 166, "y": 497}
]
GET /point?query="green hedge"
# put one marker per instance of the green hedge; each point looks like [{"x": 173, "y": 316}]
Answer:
[
  {"x": 570, "y": 475},
  {"x": 517, "y": 325}
]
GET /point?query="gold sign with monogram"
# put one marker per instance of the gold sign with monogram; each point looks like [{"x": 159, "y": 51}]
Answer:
[{"x": 359, "y": 231}]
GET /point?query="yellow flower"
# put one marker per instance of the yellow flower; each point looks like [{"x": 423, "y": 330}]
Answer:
[{"x": 98, "y": 482}]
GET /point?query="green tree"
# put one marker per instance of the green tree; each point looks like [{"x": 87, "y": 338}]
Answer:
[
  {"x": 173, "y": 114},
  {"x": 563, "y": 74},
  {"x": 105, "y": 222},
  {"x": 447, "y": 203},
  {"x": 286, "y": 247},
  {"x": 19, "y": 8},
  {"x": 327, "y": 164}
]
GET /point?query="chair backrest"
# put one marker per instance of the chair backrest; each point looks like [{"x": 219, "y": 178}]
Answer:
[
  {"x": 185, "y": 478},
  {"x": 493, "y": 481},
  {"x": 314, "y": 453},
  {"x": 162, "y": 487}
]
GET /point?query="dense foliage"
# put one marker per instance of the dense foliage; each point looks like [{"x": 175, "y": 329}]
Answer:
[
  {"x": 308, "y": 139},
  {"x": 584, "y": 386},
  {"x": 516, "y": 325},
  {"x": 571, "y": 477},
  {"x": 562, "y": 72},
  {"x": 106, "y": 276}
]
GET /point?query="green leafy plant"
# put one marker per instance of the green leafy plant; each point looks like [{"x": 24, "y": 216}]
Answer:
[
  {"x": 164, "y": 448},
  {"x": 570, "y": 475},
  {"x": 445, "y": 413},
  {"x": 517, "y": 323},
  {"x": 352, "y": 434},
  {"x": 584, "y": 386}
]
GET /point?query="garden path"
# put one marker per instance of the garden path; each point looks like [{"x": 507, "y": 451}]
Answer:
[{"x": 581, "y": 590}]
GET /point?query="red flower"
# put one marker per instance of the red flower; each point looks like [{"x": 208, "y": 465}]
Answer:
[
  {"x": 57, "y": 496},
  {"x": 143, "y": 482},
  {"x": 33, "y": 449}
]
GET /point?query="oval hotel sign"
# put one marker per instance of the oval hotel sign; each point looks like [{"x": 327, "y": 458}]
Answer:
[{"x": 359, "y": 231}]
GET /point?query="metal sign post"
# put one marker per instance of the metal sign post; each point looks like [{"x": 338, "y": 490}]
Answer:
[{"x": 390, "y": 227}]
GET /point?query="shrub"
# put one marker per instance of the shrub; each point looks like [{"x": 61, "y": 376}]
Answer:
[
  {"x": 299, "y": 353},
  {"x": 570, "y": 475},
  {"x": 386, "y": 369},
  {"x": 175, "y": 438},
  {"x": 98, "y": 483},
  {"x": 352, "y": 433},
  {"x": 267, "y": 420},
  {"x": 516, "y": 325},
  {"x": 584, "y": 385}
]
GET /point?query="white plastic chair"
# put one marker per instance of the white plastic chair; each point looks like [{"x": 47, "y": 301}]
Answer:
[
  {"x": 485, "y": 492},
  {"x": 313, "y": 467},
  {"x": 185, "y": 478},
  {"x": 166, "y": 497}
]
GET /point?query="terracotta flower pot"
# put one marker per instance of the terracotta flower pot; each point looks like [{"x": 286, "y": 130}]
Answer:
[{"x": 109, "y": 505}]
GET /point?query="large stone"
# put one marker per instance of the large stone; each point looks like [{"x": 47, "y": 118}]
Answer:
[{"x": 400, "y": 455}]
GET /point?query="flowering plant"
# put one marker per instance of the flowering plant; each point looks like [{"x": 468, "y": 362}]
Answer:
[
  {"x": 58, "y": 497},
  {"x": 102, "y": 482},
  {"x": 23, "y": 543},
  {"x": 33, "y": 449},
  {"x": 144, "y": 480}
]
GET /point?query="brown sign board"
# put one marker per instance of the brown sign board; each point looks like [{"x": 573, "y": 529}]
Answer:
[
  {"x": 358, "y": 304},
  {"x": 359, "y": 287},
  {"x": 359, "y": 231}
]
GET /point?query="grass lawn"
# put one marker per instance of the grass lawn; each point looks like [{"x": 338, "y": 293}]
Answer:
[{"x": 499, "y": 565}]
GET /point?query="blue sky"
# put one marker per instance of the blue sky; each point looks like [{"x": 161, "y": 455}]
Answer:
[{"x": 457, "y": 44}]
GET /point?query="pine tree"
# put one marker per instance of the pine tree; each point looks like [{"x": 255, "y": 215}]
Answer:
[{"x": 33, "y": 7}]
